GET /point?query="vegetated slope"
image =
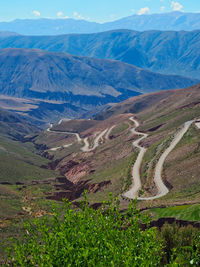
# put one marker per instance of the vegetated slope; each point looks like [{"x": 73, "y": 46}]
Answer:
[
  {"x": 166, "y": 21},
  {"x": 20, "y": 163},
  {"x": 167, "y": 101},
  {"x": 19, "y": 160},
  {"x": 14, "y": 125},
  {"x": 165, "y": 52},
  {"x": 161, "y": 115},
  {"x": 77, "y": 80}
]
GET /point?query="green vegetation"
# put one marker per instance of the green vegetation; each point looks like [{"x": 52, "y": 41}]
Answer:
[
  {"x": 16, "y": 206},
  {"x": 103, "y": 237},
  {"x": 120, "y": 128},
  {"x": 19, "y": 162},
  {"x": 185, "y": 212},
  {"x": 88, "y": 238},
  {"x": 181, "y": 245}
]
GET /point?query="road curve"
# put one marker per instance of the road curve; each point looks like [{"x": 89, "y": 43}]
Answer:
[
  {"x": 86, "y": 147},
  {"x": 60, "y": 132},
  {"x": 107, "y": 136},
  {"x": 162, "y": 189},
  {"x": 133, "y": 192},
  {"x": 96, "y": 142},
  {"x": 59, "y": 147}
]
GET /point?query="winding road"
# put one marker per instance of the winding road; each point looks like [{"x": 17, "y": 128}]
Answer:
[
  {"x": 56, "y": 148},
  {"x": 86, "y": 147},
  {"x": 132, "y": 193},
  {"x": 107, "y": 136},
  {"x": 60, "y": 132},
  {"x": 161, "y": 187}
]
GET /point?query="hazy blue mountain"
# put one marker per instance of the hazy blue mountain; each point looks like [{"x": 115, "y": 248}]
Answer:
[
  {"x": 164, "y": 52},
  {"x": 77, "y": 80},
  {"x": 165, "y": 21},
  {"x": 175, "y": 21},
  {"x": 49, "y": 26},
  {"x": 4, "y": 34}
]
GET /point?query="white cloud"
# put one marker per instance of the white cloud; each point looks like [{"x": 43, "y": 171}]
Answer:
[
  {"x": 79, "y": 16},
  {"x": 162, "y": 8},
  {"x": 143, "y": 10},
  {"x": 75, "y": 14},
  {"x": 60, "y": 14},
  {"x": 176, "y": 6},
  {"x": 36, "y": 13}
]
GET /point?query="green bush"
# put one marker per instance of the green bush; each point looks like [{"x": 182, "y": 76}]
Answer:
[
  {"x": 104, "y": 237},
  {"x": 88, "y": 237},
  {"x": 181, "y": 245}
]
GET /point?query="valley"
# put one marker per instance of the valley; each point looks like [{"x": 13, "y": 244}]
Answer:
[
  {"x": 100, "y": 139},
  {"x": 99, "y": 155}
]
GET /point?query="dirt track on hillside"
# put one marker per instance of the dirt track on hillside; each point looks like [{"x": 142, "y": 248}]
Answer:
[{"x": 161, "y": 187}]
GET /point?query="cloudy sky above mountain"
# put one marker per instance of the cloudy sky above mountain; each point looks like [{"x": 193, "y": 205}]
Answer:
[{"x": 99, "y": 11}]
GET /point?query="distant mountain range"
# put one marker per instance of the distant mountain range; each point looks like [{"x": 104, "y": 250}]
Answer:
[
  {"x": 164, "y": 52},
  {"x": 165, "y": 21},
  {"x": 80, "y": 81}
]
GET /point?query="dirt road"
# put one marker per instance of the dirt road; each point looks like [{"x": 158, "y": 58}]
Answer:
[
  {"x": 133, "y": 192},
  {"x": 60, "y": 132},
  {"x": 87, "y": 148},
  {"x": 161, "y": 187}
]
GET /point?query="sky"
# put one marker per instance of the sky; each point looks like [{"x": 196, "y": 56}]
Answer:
[{"x": 92, "y": 10}]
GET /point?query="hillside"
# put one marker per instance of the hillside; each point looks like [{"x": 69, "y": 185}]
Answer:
[
  {"x": 99, "y": 159},
  {"x": 15, "y": 126},
  {"x": 166, "y": 21},
  {"x": 40, "y": 112},
  {"x": 164, "y": 52},
  {"x": 108, "y": 164},
  {"x": 167, "y": 101},
  {"x": 79, "y": 81}
]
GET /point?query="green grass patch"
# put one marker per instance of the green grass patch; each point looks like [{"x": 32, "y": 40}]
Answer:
[
  {"x": 121, "y": 127},
  {"x": 19, "y": 162},
  {"x": 185, "y": 212}
]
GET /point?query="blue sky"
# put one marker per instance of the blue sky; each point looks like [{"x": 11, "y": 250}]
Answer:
[{"x": 93, "y": 10}]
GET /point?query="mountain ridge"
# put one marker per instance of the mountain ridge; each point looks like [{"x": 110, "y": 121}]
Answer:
[
  {"x": 162, "y": 21},
  {"x": 77, "y": 80},
  {"x": 163, "y": 52}
]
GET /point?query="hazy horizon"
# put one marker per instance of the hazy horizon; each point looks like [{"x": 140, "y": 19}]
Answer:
[{"x": 100, "y": 12}]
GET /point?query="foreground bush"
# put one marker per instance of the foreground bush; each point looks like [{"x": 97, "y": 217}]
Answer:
[
  {"x": 181, "y": 245},
  {"x": 89, "y": 237},
  {"x": 104, "y": 237}
]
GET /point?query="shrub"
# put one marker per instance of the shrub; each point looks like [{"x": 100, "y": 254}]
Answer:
[
  {"x": 88, "y": 237},
  {"x": 181, "y": 245}
]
